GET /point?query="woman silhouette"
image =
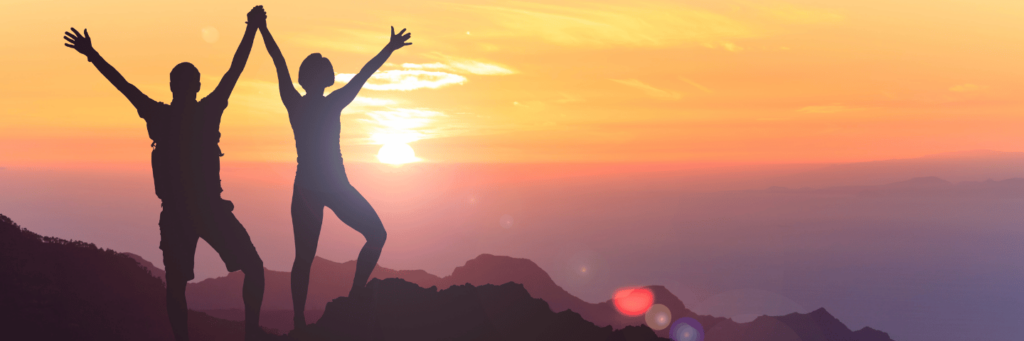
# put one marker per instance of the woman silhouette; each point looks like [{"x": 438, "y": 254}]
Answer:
[{"x": 320, "y": 179}]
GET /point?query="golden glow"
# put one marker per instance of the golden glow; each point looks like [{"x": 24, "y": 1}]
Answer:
[
  {"x": 543, "y": 81},
  {"x": 396, "y": 154}
]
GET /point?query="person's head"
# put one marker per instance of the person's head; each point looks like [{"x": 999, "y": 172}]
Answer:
[
  {"x": 316, "y": 72},
  {"x": 184, "y": 80}
]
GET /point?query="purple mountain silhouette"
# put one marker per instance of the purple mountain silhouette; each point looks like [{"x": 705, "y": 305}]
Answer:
[{"x": 330, "y": 280}]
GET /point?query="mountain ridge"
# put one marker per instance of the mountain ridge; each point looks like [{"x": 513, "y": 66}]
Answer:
[{"x": 488, "y": 269}]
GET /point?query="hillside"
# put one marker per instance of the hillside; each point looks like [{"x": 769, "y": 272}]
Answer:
[
  {"x": 393, "y": 309},
  {"x": 55, "y": 289}
]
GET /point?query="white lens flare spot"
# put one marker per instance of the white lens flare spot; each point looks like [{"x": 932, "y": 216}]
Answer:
[
  {"x": 658, "y": 317},
  {"x": 505, "y": 221},
  {"x": 396, "y": 154},
  {"x": 210, "y": 34}
]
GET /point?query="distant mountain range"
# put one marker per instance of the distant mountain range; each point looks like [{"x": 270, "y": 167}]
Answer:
[
  {"x": 55, "y": 289},
  {"x": 922, "y": 186},
  {"x": 330, "y": 280},
  {"x": 955, "y": 166}
]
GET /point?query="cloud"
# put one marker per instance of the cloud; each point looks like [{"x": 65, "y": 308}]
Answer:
[
  {"x": 600, "y": 25},
  {"x": 428, "y": 66},
  {"x": 649, "y": 90},
  {"x": 567, "y": 98},
  {"x": 731, "y": 47},
  {"x": 400, "y": 125},
  {"x": 349, "y": 40},
  {"x": 802, "y": 15},
  {"x": 462, "y": 64},
  {"x": 362, "y": 105},
  {"x": 697, "y": 85},
  {"x": 405, "y": 80},
  {"x": 373, "y": 102},
  {"x": 827, "y": 109},
  {"x": 725, "y": 45},
  {"x": 965, "y": 88}
]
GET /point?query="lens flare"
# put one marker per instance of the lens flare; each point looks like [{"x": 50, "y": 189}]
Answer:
[
  {"x": 658, "y": 317},
  {"x": 210, "y": 34},
  {"x": 505, "y": 221},
  {"x": 686, "y": 329},
  {"x": 633, "y": 301}
]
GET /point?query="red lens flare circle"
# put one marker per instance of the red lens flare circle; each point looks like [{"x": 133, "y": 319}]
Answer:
[{"x": 633, "y": 301}]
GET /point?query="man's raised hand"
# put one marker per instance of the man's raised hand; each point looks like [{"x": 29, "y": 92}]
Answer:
[
  {"x": 398, "y": 40},
  {"x": 82, "y": 44},
  {"x": 257, "y": 16}
]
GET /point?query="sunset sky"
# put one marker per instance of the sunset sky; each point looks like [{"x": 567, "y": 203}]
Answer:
[
  {"x": 532, "y": 121},
  {"x": 552, "y": 81}
]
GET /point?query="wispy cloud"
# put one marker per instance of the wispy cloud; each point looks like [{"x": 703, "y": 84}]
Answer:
[
  {"x": 590, "y": 24},
  {"x": 697, "y": 85},
  {"x": 827, "y": 109},
  {"x": 475, "y": 67},
  {"x": 649, "y": 90},
  {"x": 405, "y": 80},
  {"x": 728, "y": 46},
  {"x": 399, "y": 125},
  {"x": 348, "y": 40},
  {"x": 427, "y": 66},
  {"x": 802, "y": 15}
]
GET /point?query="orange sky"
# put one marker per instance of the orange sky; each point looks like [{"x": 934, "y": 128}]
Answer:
[{"x": 552, "y": 81}]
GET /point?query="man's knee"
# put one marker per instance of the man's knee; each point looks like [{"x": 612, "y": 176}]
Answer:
[{"x": 253, "y": 266}]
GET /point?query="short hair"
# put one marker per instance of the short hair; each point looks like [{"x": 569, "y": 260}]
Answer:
[
  {"x": 184, "y": 76},
  {"x": 316, "y": 72}
]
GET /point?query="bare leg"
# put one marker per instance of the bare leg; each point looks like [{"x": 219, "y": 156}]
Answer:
[
  {"x": 177, "y": 307},
  {"x": 356, "y": 212},
  {"x": 367, "y": 261},
  {"x": 252, "y": 296},
  {"x": 307, "y": 218}
]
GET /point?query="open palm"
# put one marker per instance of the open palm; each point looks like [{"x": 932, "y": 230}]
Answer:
[
  {"x": 399, "y": 40},
  {"x": 82, "y": 44}
]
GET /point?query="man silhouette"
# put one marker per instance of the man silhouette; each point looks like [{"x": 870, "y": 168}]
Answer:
[{"x": 186, "y": 174}]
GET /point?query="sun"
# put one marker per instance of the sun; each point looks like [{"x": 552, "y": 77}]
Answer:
[{"x": 396, "y": 153}]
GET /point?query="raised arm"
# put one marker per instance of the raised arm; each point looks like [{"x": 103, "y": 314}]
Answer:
[
  {"x": 83, "y": 44},
  {"x": 256, "y": 18},
  {"x": 343, "y": 96},
  {"x": 284, "y": 79}
]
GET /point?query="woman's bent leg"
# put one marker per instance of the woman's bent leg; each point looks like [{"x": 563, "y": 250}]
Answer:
[{"x": 356, "y": 212}]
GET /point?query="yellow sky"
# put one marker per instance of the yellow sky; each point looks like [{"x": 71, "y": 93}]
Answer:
[{"x": 516, "y": 81}]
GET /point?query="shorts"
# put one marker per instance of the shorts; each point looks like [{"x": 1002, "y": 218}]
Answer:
[{"x": 181, "y": 226}]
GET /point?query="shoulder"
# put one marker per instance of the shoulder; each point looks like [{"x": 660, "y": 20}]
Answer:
[
  {"x": 214, "y": 103},
  {"x": 152, "y": 109}
]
